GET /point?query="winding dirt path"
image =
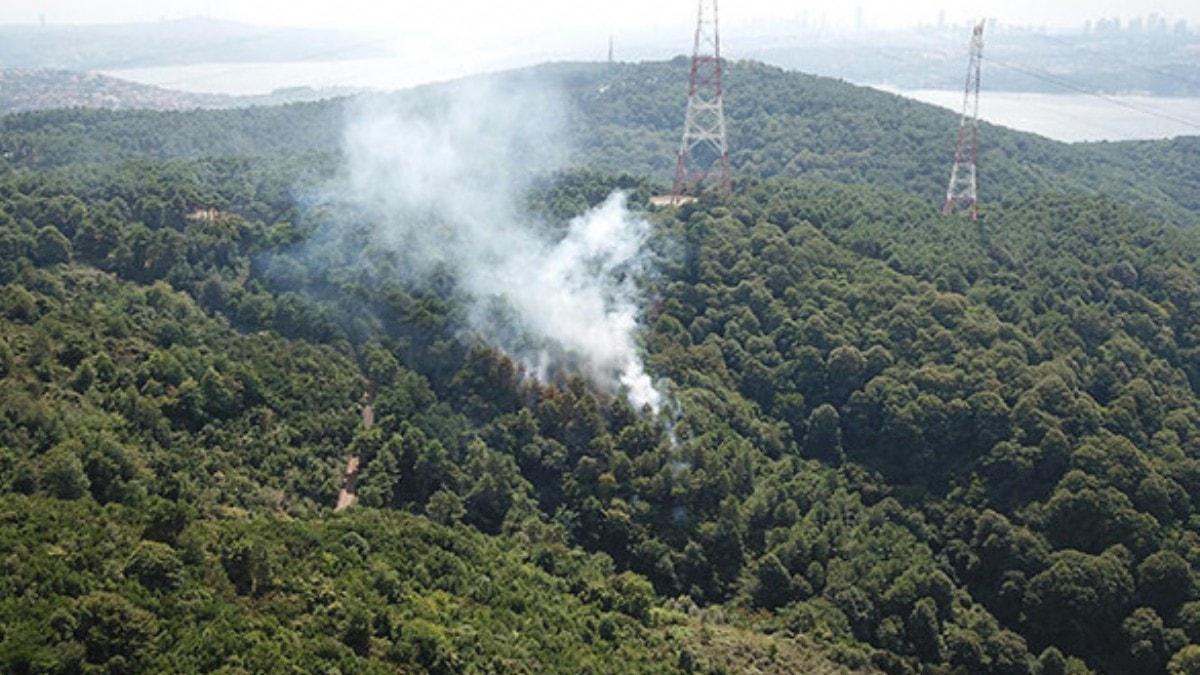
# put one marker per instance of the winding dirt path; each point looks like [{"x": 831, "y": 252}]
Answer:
[{"x": 348, "y": 494}]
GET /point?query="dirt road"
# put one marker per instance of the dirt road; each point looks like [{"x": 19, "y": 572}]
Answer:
[{"x": 348, "y": 495}]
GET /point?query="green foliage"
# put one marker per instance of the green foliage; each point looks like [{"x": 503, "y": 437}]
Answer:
[
  {"x": 1164, "y": 581},
  {"x": 823, "y": 441},
  {"x": 1079, "y": 599},
  {"x": 1186, "y": 661},
  {"x": 378, "y": 591},
  {"x": 62, "y": 473},
  {"x": 903, "y": 441},
  {"x": 155, "y": 565}
]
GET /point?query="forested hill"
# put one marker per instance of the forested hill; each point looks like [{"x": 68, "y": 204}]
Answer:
[
  {"x": 108, "y": 46},
  {"x": 906, "y": 443},
  {"x": 627, "y": 118},
  {"x": 26, "y": 89}
]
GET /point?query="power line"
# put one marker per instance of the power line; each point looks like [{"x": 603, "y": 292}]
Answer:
[
  {"x": 1057, "y": 111},
  {"x": 916, "y": 60},
  {"x": 1046, "y": 77},
  {"x": 1154, "y": 71}
]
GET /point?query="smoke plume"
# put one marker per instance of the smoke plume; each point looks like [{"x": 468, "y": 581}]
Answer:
[{"x": 445, "y": 181}]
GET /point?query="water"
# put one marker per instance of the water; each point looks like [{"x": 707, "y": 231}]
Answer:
[
  {"x": 245, "y": 79},
  {"x": 1077, "y": 117},
  {"x": 1064, "y": 117}
]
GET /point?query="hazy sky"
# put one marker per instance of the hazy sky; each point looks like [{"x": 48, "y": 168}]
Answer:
[{"x": 524, "y": 16}]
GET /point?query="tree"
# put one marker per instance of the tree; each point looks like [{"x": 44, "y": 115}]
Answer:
[
  {"x": 6, "y": 358},
  {"x": 114, "y": 632},
  {"x": 1052, "y": 662},
  {"x": 167, "y": 519},
  {"x": 1189, "y": 620},
  {"x": 824, "y": 438},
  {"x": 428, "y": 646},
  {"x": 110, "y": 469},
  {"x": 445, "y": 507},
  {"x": 62, "y": 473},
  {"x": 989, "y": 419},
  {"x": 18, "y": 303},
  {"x": 1083, "y": 515},
  {"x": 772, "y": 586},
  {"x": 924, "y": 631},
  {"x": 1143, "y": 631},
  {"x": 381, "y": 365},
  {"x": 155, "y": 566},
  {"x": 635, "y": 596},
  {"x": 220, "y": 399},
  {"x": 1164, "y": 581},
  {"x": 1079, "y": 600},
  {"x": 486, "y": 385},
  {"x": 1009, "y": 654},
  {"x": 847, "y": 368},
  {"x": 495, "y": 484},
  {"x": 247, "y": 565},
  {"x": 1186, "y": 661},
  {"x": 51, "y": 247},
  {"x": 357, "y": 634}
]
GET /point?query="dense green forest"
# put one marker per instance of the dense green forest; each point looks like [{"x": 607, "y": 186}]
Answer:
[
  {"x": 626, "y": 119},
  {"x": 906, "y": 443}
]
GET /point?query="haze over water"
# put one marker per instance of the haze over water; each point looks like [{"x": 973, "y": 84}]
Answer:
[
  {"x": 1076, "y": 117},
  {"x": 1064, "y": 117}
]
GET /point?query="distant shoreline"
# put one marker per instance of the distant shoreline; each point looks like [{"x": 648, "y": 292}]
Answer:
[
  {"x": 1063, "y": 117},
  {"x": 1075, "y": 117}
]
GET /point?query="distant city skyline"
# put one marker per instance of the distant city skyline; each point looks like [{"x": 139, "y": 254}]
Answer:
[{"x": 472, "y": 17}]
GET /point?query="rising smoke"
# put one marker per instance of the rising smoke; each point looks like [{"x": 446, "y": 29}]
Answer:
[{"x": 446, "y": 180}]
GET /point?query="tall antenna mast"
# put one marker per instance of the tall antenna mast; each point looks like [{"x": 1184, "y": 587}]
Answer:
[
  {"x": 703, "y": 152},
  {"x": 610, "y": 50},
  {"x": 963, "y": 192}
]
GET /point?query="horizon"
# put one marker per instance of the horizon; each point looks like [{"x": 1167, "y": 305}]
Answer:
[
  {"x": 196, "y": 58},
  {"x": 475, "y": 17}
]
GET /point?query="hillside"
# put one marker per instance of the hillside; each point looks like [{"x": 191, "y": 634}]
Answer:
[
  {"x": 170, "y": 42},
  {"x": 370, "y": 592},
  {"x": 903, "y": 442},
  {"x": 627, "y": 119},
  {"x": 212, "y": 455},
  {"x": 24, "y": 90}
]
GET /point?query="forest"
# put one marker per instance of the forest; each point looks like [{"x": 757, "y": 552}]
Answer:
[{"x": 906, "y": 443}]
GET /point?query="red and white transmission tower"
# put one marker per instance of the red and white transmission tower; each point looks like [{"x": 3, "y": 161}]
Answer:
[
  {"x": 704, "y": 153},
  {"x": 963, "y": 192}
]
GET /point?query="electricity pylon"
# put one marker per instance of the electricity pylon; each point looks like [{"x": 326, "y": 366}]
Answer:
[
  {"x": 704, "y": 152},
  {"x": 963, "y": 192}
]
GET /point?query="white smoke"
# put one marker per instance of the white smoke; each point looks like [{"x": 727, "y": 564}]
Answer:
[{"x": 445, "y": 181}]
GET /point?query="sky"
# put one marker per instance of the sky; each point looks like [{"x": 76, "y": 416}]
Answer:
[{"x": 520, "y": 17}]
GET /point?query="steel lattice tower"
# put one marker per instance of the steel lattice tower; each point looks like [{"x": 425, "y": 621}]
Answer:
[
  {"x": 963, "y": 192},
  {"x": 703, "y": 152}
]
